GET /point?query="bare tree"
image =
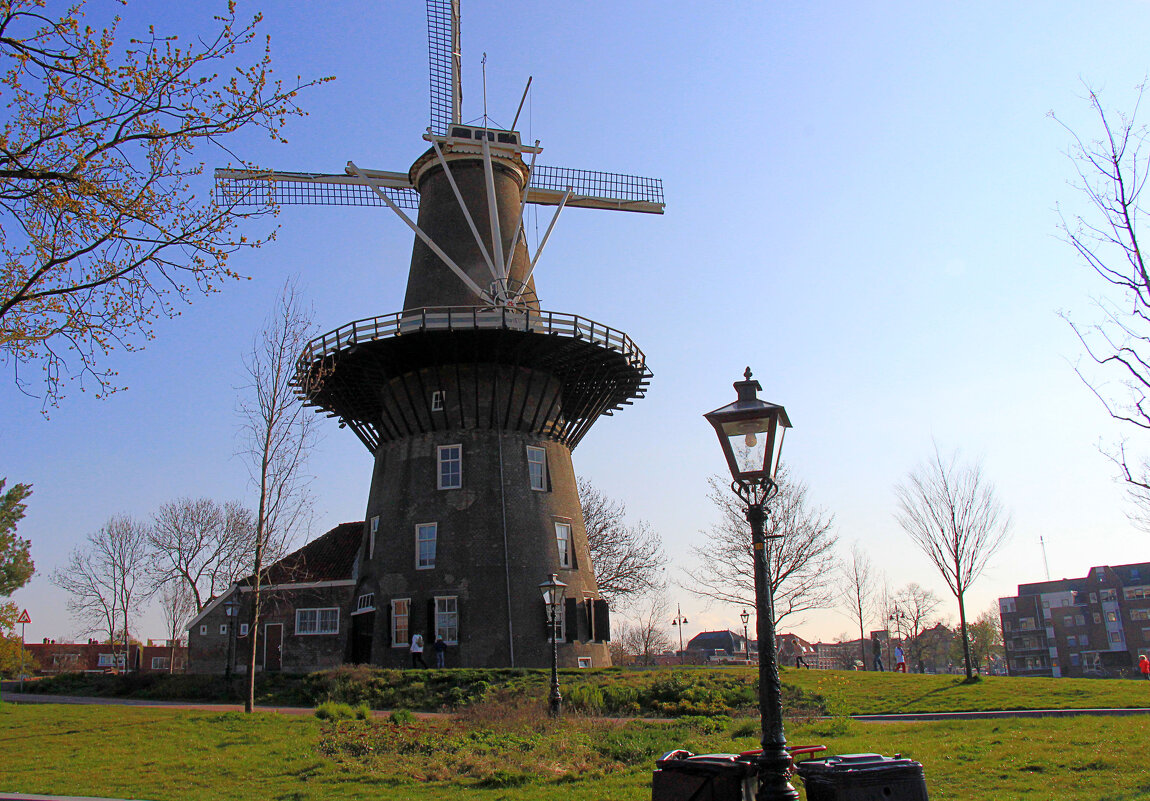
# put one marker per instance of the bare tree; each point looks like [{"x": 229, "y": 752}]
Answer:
[
  {"x": 105, "y": 232},
  {"x": 858, "y": 592},
  {"x": 1112, "y": 169},
  {"x": 953, "y": 514},
  {"x": 278, "y": 434},
  {"x": 203, "y": 544},
  {"x": 101, "y": 578},
  {"x": 800, "y": 551},
  {"x": 917, "y": 604},
  {"x": 646, "y": 636},
  {"x": 179, "y": 607},
  {"x": 627, "y": 557}
]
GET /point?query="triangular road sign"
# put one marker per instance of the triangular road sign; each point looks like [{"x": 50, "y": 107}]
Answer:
[{"x": 24, "y": 618}]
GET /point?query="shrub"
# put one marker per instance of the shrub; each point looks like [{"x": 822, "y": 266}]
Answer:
[
  {"x": 332, "y": 710},
  {"x": 401, "y": 717}
]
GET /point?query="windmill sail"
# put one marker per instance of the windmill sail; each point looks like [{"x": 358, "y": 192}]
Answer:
[{"x": 443, "y": 50}]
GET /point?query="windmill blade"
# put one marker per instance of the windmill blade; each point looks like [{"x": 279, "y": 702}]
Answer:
[
  {"x": 596, "y": 190},
  {"x": 251, "y": 188},
  {"x": 443, "y": 55}
]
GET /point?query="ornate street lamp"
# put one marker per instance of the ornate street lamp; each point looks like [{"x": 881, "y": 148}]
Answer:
[
  {"x": 232, "y": 613},
  {"x": 679, "y": 622},
  {"x": 554, "y": 591},
  {"x": 745, "y": 616},
  {"x": 751, "y": 434},
  {"x": 897, "y": 617}
]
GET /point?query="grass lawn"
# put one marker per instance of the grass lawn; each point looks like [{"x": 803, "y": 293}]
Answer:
[
  {"x": 868, "y": 693},
  {"x": 492, "y": 753}
]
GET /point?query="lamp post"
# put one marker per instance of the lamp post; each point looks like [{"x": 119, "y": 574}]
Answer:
[
  {"x": 554, "y": 592},
  {"x": 746, "y": 616},
  {"x": 231, "y": 611},
  {"x": 897, "y": 617},
  {"x": 679, "y": 622},
  {"x": 751, "y": 434}
]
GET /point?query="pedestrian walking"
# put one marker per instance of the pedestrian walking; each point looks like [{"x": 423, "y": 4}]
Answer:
[
  {"x": 1144, "y": 665},
  {"x": 877, "y": 654},
  {"x": 899, "y": 660},
  {"x": 440, "y": 652},
  {"x": 417, "y": 651}
]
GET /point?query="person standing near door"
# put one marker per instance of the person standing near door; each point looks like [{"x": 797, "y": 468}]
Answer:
[{"x": 417, "y": 651}]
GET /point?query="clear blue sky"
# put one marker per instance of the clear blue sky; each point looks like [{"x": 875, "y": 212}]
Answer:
[{"x": 860, "y": 206}]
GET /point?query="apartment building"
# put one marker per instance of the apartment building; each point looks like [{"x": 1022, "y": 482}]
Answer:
[{"x": 1091, "y": 626}]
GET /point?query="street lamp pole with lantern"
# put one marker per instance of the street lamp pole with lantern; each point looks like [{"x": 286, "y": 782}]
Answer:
[
  {"x": 554, "y": 592},
  {"x": 232, "y": 613},
  {"x": 751, "y": 433},
  {"x": 745, "y": 616},
  {"x": 679, "y": 622}
]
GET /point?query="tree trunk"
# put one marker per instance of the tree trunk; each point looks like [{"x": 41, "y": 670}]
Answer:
[{"x": 965, "y": 636}]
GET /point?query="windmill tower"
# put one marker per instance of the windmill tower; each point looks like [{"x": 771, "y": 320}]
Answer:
[{"x": 472, "y": 397}]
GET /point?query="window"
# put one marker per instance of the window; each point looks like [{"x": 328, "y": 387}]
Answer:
[
  {"x": 1093, "y": 597},
  {"x": 1079, "y": 620},
  {"x": 1006, "y": 605},
  {"x": 1068, "y": 621},
  {"x": 366, "y": 602},
  {"x": 1115, "y": 636},
  {"x": 1010, "y": 645},
  {"x": 65, "y": 660},
  {"x": 1075, "y": 659},
  {"x": 111, "y": 660},
  {"x": 371, "y": 537},
  {"x": 1140, "y": 614},
  {"x": 1111, "y": 616},
  {"x": 1097, "y": 617},
  {"x": 160, "y": 663},
  {"x": 563, "y": 540},
  {"x": 450, "y": 458},
  {"x": 537, "y": 468},
  {"x": 317, "y": 621},
  {"x": 1108, "y": 595},
  {"x": 1137, "y": 593},
  {"x": 1072, "y": 640},
  {"x": 560, "y": 622},
  {"x": 1007, "y": 625},
  {"x": 243, "y": 629},
  {"x": 400, "y": 614},
  {"x": 203, "y": 630},
  {"x": 447, "y": 619},
  {"x": 425, "y": 535},
  {"x": 584, "y": 661},
  {"x": 437, "y": 399},
  {"x": 1146, "y": 634},
  {"x": 223, "y": 628}
]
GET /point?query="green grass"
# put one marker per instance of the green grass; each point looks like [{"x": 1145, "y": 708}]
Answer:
[
  {"x": 496, "y": 752},
  {"x": 617, "y": 691},
  {"x": 868, "y": 693}
]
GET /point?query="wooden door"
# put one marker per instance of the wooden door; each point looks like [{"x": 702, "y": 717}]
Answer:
[{"x": 273, "y": 646}]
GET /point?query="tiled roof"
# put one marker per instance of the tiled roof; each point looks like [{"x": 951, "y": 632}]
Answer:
[{"x": 327, "y": 558}]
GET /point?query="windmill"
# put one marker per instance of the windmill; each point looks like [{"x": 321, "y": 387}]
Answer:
[{"x": 471, "y": 398}]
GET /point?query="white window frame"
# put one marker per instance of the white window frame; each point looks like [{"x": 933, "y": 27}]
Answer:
[
  {"x": 310, "y": 622},
  {"x": 446, "y": 455},
  {"x": 243, "y": 629},
  {"x": 160, "y": 663},
  {"x": 420, "y": 528},
  {"x": 374, "y": 526},
  {"x": 447, "y": 606},
  {"x": 223, "y": 628},
  {"x": 585, "y": 662},
  {"x": 365, "y": 603},
  {"x": 537, "y": 468},
  {"x": 396, "y": 640},
  {"x": 204, "y": 630},
  {"x": 438, "y": 399},
  {"x": 110, "y": 660},
  {"x": 563, "y": 544}
]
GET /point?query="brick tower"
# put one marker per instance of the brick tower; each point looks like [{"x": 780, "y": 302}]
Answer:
[{"x": 472, "y": 397}]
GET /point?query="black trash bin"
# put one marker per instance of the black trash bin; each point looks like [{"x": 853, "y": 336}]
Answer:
[
  {"x": 683, "y": 776},
  {"x": 863, "y": 777}
]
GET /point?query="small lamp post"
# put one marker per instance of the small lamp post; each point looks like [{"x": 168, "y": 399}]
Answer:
[
  {"x": 679, "y": 622},
  {"x": 751, "y": 433},
  {"x": 231, "y": 611},
  {"x": 746, "y": 616},
  {"x": 897, "y": 617},
  {"x": 554, "y": 591}
]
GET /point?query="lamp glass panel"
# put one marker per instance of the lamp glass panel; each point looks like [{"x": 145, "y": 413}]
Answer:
[{"x": 748, "y": 440}]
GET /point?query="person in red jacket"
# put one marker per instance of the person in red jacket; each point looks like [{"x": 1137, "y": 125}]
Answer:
[{"x": 1144, "y": 665}]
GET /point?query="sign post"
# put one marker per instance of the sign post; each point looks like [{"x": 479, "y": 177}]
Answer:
[{"x": 23, "y": 620}]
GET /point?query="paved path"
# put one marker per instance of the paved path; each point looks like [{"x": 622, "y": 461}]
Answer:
[{"x": 1004, "y": 713}]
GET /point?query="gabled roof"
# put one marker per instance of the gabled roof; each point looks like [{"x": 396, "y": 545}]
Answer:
[{"x": 327, "y": 558}]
